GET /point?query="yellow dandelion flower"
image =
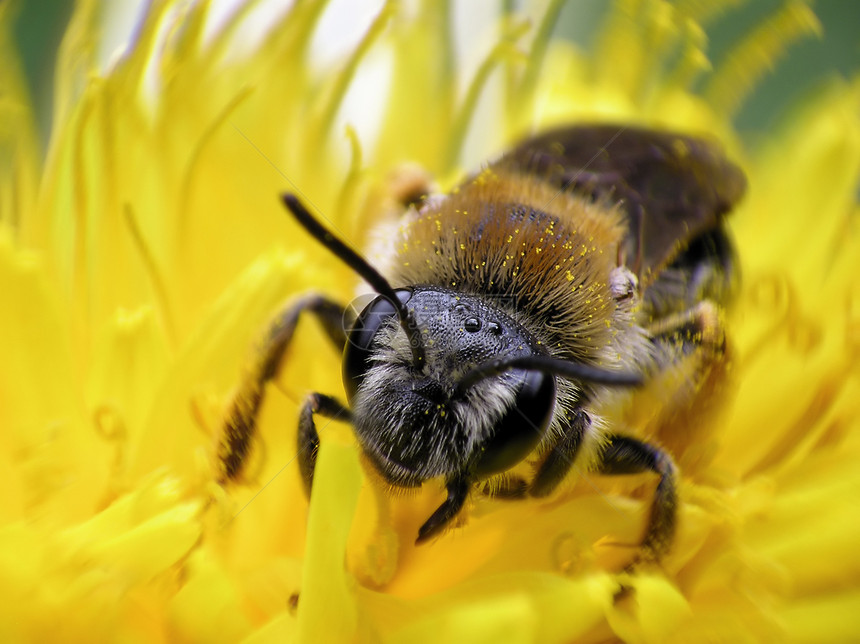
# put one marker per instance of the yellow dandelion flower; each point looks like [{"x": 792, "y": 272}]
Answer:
[{"x": 142, "y": 257}]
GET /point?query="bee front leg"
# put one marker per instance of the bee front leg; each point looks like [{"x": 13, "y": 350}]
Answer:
[
  {"x": 240, "y": 422},
  {"x": 626, "y": 455},
  {"x": 458, "y": 490},
  {"x": 560, "y": 459},
  {"x": 308, "y": 441}
]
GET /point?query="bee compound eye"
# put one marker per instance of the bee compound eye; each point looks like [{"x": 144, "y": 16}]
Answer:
[
  {"x": 360, "y": 338},
  {"x": 522, "y": 426}
]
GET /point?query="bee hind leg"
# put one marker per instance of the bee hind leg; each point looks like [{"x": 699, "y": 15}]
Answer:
[
  {"x": 697, "y": 327},
  {"x": 240, "y": 423},
  {"x": 626, "y": 455},
  {"x": 308, "y": 439}
]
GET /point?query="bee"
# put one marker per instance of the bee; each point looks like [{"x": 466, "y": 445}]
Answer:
[{"x": 513, "y": 313}]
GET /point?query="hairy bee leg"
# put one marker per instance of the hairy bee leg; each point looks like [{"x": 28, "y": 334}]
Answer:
[
  {"x": 308, "y": 440},
  {"x": 626, "y": 455},
  {"x": 328, "y": 313},
  {"x": 559, "y": 461},
  {"x": 512, "y": 488},
  {"x": 240, "y": 423},
  {"x": 458, "y": 491},
  {"x": 698, "y": 326}
]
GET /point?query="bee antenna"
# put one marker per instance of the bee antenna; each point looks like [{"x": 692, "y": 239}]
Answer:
[
  {"x": 545, "y": 364},
  {"x": 361, "y": 266}
]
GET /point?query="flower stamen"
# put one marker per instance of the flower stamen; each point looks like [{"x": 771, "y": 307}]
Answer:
[
  {"x": 153, "y": 272},
  {"x": 755, "y": 54},
  {"x": 504, "y": 51},
  {"x": 194, "y": 160},
  {"x": 347, "y": 75},
  {"x": 348, "y": 188}
]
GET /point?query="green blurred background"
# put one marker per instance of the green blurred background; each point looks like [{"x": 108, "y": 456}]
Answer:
[
  {"x": 808, "y": 63},
  {"x": 40, "y": 25}
]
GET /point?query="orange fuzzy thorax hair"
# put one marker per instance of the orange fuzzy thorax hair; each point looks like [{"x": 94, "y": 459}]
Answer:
[{"x": 541, "y": 254}]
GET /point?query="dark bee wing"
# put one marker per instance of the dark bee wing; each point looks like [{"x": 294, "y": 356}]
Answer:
[{"x": 674, "y": 188}]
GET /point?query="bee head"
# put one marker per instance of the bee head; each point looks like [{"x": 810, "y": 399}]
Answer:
[
  {"x": 417, "y": 424},
  {"x": 442, "y": 382}
]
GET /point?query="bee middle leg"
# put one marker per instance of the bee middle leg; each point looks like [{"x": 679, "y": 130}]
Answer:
[
  {"x": 240, "y": 423},
  {"x": 554, "y": 468},
  {"x": 622, "y": 455},
  {"x": 560, "y": 459}
]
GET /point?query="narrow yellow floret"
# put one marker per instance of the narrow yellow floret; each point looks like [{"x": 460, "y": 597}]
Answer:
[{"x": 142, "y": 257}]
